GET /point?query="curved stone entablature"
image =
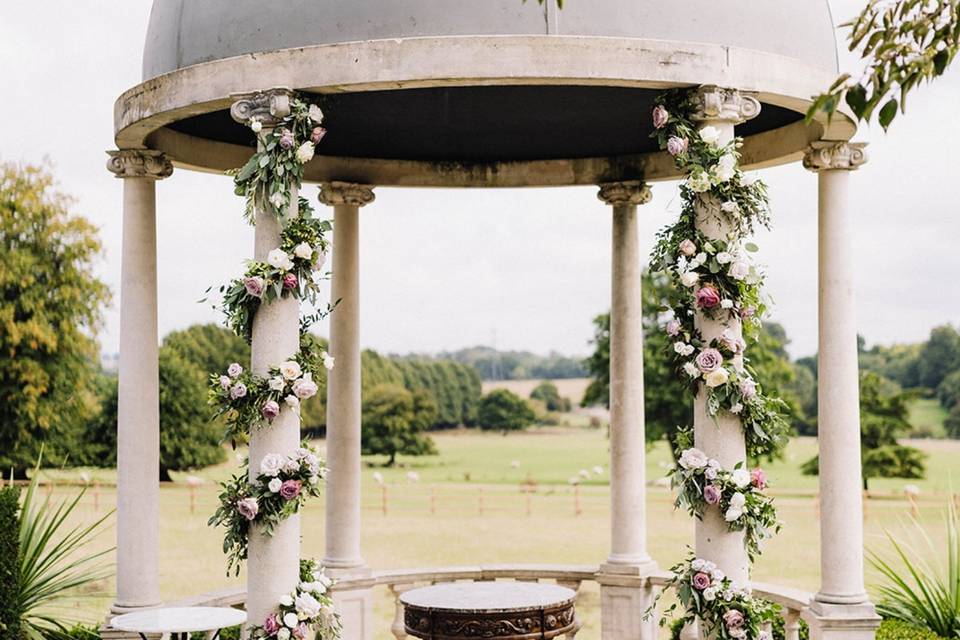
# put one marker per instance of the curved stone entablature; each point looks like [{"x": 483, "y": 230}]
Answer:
[{"x": 582, "y": 104}]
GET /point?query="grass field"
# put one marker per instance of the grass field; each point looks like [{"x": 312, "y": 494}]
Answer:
[
  {"x": 927, "y": 416},
  {"x": 468, "y": 508}
]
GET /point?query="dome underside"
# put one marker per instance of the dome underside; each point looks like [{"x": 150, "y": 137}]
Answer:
[
  {"x": 187, "y": 32},
  {"x": 481, "y": 124}
]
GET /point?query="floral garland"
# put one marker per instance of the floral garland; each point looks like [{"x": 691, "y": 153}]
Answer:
[
  {"x": 716, "y": 276},
  {"x": 308, "y": 608},
  {"x": 247, "y": 401},
  {"x": 282, "y": 486},
  {"x": 724, "y": 607},
  {"x": 702, "y": 482}
]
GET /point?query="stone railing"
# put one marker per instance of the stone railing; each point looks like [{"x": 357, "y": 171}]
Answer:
[{"x": 792, "y": 601}]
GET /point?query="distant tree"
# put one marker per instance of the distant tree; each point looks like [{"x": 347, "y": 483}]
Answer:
[
  {"x": 548, "y": 393},
  {"x": 951, "y": 423},
  {"x": 50, "y": 308},
  {"x": 948, "y": 392},
  {"x": 939, "y": 356},
  {"x": 394, "y": 420},
  {"x": 503, "y": 410},
  {"x": 804, "y": 389},
  {"x": 209, "y": 347},
  {"x": 883, "y": 417}
]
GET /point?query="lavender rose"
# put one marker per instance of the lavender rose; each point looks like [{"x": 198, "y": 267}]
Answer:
[
  {"x": 248, "y": 508},
  {"x": 711, "y": 493},
  {"x": 270, "y": 409},
  {"x": 709, "y": 360},
  {"x": 300, "y": 631},
  {"x": 660, "y": 116},
  {"x": 271, "y": 625},
  {"x": 700, "y": 581},
  {"x": 286, "y": 139},
  {"x": 677, "y": 146},
  {"x": 673, "y": 327},
  {"x": 290, "y": 489},
  {"x": 290, "y": 281},
  {"x": 733, "y": 619},
  {"x": 707, "y": 297},
  {"x": 305, "y": 387},
  {"x": 238, "y": 391},
  {"x": 254, "y": 286},
  {"x": 748, "y": 389},
  {"x": 317, "y": 134},
  {"x": 234, "y": 369}
]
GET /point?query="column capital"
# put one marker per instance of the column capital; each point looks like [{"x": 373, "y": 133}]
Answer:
[
  {"x": 334, "y": 193},
  {"x": 266, "y": 107},
  {"x": 625, "y": 192},
  {"x": 711, "y": 102},
  {"x": 825, "y": 155},
  {"x": 139, "y": 163}
]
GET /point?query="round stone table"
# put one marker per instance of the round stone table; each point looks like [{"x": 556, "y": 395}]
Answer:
[
  {"x": 179, "y": 622},
  {"x": 504, "y": 610}
]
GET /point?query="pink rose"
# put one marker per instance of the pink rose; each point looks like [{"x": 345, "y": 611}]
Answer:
[
  {"x": 271, "y": 625},
  {"x": 304, "y": 388},
  {"x": 709, "y": 360},
  {"x": 707, "y": 297},
  {"x": 317, "y": 134},
  {"x": 677, "y": 146},
  {"x": 748, "y": 389},
  {"x": 286, "y": 139},
  {"x": 687, "y": 247},
  {"x": 700, "y": 581},
  {"x": 248, "y": 508},
  {"x": 270, "y": 409},
  {"x": 732, "y": 341},
  {"x": 747, "y": 312},
  {"x": 290, "y": 489},
  {"x": 290, "y": 281},
  {"x": 254, "y": 286},
  {"x": 660, "y": 116},
  {"x": 711, "y": 493},
  {"x": 673, "y": 327},
  {"x": 238, "y": 390},
  {"x": 300, "y": 631},
  {"x": 733, "y": 619},
  {"x": 758, "y": 478}
]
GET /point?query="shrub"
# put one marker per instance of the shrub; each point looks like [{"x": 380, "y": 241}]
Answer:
[
  {"x": 503, "y": 410},
  {"x": 891, "y": 629},
  {"x": 9, "y": 562}
]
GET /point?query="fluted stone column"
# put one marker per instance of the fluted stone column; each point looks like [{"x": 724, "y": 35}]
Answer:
[
  {"x": 138, "y": 411},
  {"x": 841, "y": 608},
  {"x": 622, "y": 606},
  {"x": 273, "y": 563},
  {"x": 342, "y": 555},
  {"x": 721, "y": 436}
]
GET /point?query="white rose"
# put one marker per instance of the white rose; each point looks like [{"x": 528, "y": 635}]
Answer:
[
  {"x": 323, "y": 579},
  {"x": 710, "y": 594},
  {"x": 274, "y": 485},
  {"x": 699, "y": 181},
  {"x": 307, "y": 605},
  {"x": 691, "y": 369},
  {"x": 710, "y": 473},
  {"x": 276, "y": 383},
  {"x": 271, "y": 464},
  {"x": 305, "y": 152},
  {"x": 318, "y": 587},
  {"x": 740, "y": 477},
  {"x": 693, "y": 459},
  {"x": 730, "y": 206},
  {"x": 689, "y": 278},
  {"x": 738, "y": 500},
  {"x": 724, "y": 257},
  {"x": 283, "y": 634},
  {"x": 738, "y": 270},
  {"x": 737, "y": 408},
  {"x": 291, "y": 620},
  {"x": 725, "y": 168},
  {"x": 717, "y": 575},
  {"x": 737, "y": 362},
  {"x": 279, "y": 259},
  {"x": 290, "y": 370},
  {"x": 726, "y": 303},
  {"x": 699, "y": 259},
  {"x": 697, "y": 564},
  {"x": 293, "y": 402},
  {"x": 286, "y": 601},
  {"x": 256, "y": 125},
  {"x": 716, "y": 377},
  {"x": 315, "y": 113},
  {"x": 679, "y": 347},
  {"x": 688, "y": 349},
  {"x": 303, "y": 250},
  {"x": 291, "y": 465},
  {"x": 732, "y": 514},
  {"x": 709, "y": 566},
  {"x": 328, "y": 360},
  {"x": 277, "y": 200},
  {"x": 710, "y": 135}
]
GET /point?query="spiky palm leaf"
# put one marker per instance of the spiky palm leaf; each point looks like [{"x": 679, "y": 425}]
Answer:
[
  {"x": 923, "y": 593},
  {"x": 55, "y": 562}
]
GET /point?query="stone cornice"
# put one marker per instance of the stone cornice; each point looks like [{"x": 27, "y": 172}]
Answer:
[
  {"x": 334, "y": 193},
  {"x": 825, "y": 155},
  {"x": 266, "y": 107},
  {"x": 139, "y": 163},
  {"x": 711, "y": 102},
  {"x": 627, "y": 192}
]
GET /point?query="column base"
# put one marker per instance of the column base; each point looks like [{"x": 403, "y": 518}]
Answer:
[
  {"x": 353, "y": 598},
  {"x": 841, "y": 621},
  {"x": 625, "y": 597}
]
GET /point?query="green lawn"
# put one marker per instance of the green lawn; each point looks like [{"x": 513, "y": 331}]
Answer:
[{"x": 927, "y": 416}]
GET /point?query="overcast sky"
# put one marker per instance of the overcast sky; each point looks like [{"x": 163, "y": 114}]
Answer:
[{"x": 443, "y": 269}]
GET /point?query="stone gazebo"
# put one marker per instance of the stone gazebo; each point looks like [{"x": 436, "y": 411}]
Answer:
[{"x": 499, "y": 93}]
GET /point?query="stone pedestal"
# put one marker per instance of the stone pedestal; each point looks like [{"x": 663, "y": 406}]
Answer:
[
  {"x": 842, "y": 621},
  {"x": 624, "y": 599}
]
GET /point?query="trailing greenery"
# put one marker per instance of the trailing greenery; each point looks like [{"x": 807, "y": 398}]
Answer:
[{"x": 9, "y": 562}]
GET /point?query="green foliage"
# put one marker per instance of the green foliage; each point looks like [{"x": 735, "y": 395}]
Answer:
[
  {"x": 394, "y": 420},
  {"x": 50, "y": 307},
  {"x": 883, "y": 418},
  {"x": 503, "y": 410},
  {"x": 516, "y": 365},
  {"x": 952, "y": 424},
  {"x": 902, "y": 43},
  {"x": 778, "y": 631},
  {"x": 208, "y": 347},
  {"x": 547, "y": 393},
  {"x": 55, "y": 563},
  {"x": 948, "y": 391},
  {"x": 81, "y": 632},
  {"x": 9, "y": 562},
  {"x": 891, "y": 629},
  {"x": 920, "y": 592},
  {"x": 939, "y": 356}
]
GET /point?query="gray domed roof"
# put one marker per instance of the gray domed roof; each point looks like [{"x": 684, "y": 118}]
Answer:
[{"x": 187, "y": 32}]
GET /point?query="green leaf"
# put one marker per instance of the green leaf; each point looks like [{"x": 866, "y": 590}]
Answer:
[
  {"x": 940, "y": 62},
  {"x": 887, "y": 113},
  {"x": 751, "y": 247},
  {"x": 857, "y": 99}
]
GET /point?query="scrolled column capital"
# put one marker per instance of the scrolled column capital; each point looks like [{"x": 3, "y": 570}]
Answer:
[
  {"x": 625, "y": 192},
  {"x": 139, "y": 163},
  {"x": 711, "y": 102},
  {"x": 334, "y": 193},
  {"x": 266, "y": 107},
  {"x": 825, "y": 155}
]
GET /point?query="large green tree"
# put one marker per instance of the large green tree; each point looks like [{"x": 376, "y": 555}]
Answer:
[
  {"x": 939, "y": 356},
  {"x": 503, "y": 410},
  {"x": 209, "y": 347},
  {"x": 50, "y": 309},
  {"x": 394, "y": 420}
]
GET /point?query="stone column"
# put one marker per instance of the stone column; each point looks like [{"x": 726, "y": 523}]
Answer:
[
  {"x": 273, "y": 564},
  {"x": 721, "y": 436},
  {"x": 342, "y": 555},
  {"x": 622, "y": 606},
  {"x": 841, "y": 607},
  {"x": 138, "y": 411}
]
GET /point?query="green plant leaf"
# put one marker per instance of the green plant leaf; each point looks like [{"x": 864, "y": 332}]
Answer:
[{"x": 888, "y": 112}]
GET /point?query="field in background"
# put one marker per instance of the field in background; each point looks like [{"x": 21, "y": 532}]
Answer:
[
  {"x": 572, "y": 388},
  {"x": 927, "y": 416}
]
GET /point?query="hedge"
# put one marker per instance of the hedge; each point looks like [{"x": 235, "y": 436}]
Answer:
[
  {"x": 891, "y": 629},
  {"x": 9, "y": 562}
]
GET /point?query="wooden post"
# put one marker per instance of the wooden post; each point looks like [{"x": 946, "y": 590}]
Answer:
[
  {"x": 383, "y": 498},
  {"x": 433, "y": 500},
  {"x": 576, "y": 500},
  {"x": 480, "y": 502}
]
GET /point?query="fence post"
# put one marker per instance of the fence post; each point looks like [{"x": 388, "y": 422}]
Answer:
[
  {"x": 383, "y": 498},
  {"x": 433, "y": 500},
  {"x": 480, "y": 501},
  {"x": 576, "y": 500}
]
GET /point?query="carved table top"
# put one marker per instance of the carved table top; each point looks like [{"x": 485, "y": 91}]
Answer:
[{"x": 501, "y": 610}]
